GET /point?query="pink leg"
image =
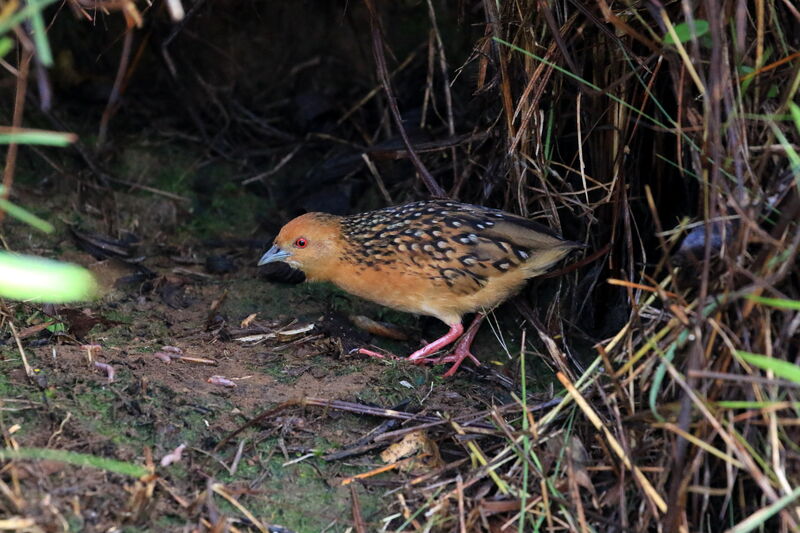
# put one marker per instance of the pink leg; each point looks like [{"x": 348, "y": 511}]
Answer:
[
  {"x": 420, "y": 355},
  {"x": 455, "y": 332},
  {"x": 461, "y": 350}
]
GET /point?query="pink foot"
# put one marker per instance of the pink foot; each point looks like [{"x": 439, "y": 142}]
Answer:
[
  {"x": 378, "y": 355},
  {"x": 423, "y": 355},
  {"x": 461, "y": 350}
]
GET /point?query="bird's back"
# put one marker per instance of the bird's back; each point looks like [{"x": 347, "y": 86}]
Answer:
[{"x": 443, "y": 258}]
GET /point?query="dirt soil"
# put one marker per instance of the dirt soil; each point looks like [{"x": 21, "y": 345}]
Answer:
[{"x": 274, "y": 470}]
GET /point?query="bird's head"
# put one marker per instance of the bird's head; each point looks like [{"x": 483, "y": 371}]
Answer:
[{"x": 310, "y": 243}]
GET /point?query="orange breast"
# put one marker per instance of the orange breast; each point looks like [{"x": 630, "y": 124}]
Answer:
[{"x": 415, "y": 292}]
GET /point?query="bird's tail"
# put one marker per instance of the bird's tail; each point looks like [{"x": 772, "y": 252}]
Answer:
[{"x": 543, "y": 259}]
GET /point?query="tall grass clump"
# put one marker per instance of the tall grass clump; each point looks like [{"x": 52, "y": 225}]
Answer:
[{"x": 665, "y": 136}]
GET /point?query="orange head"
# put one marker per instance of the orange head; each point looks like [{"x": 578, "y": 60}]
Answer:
[{"x": 310, "y": 242}]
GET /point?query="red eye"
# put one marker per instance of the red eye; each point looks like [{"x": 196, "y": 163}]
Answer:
[{"x": 300, "y": 243}]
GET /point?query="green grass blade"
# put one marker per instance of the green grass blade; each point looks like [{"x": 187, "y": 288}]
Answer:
[
  {"x": 776, "y": 117},
  {"x": 781, "y": 368},
  {"x": 778, "y": 303},
  {"x": 746, "y": 404},
  {"x": 6, "y": 44},
  {"x": 75, "y": 458},
  {"x": 794, "y": 110},
  {"x": 759, "y": 518},
  {"x": 526, "y": 441},
  {"x": 23, "y": 215},
  {"x": 684, "y": 31},
  {"x": 658, "y": 380},
  {"x": 791, "y": 153},
  {"x": 43, "y": 138},
  {"x": 40, "y": 36},
  {"x": 37, "y": 279},
  {"x": 25, "y": 13},
  {"x": 549, "y": 147}
]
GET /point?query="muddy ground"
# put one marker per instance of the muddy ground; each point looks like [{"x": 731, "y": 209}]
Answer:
[{"x": 170, "y": 292}]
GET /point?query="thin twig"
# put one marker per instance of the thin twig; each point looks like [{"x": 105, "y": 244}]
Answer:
[{"x": 383, "y": 74}]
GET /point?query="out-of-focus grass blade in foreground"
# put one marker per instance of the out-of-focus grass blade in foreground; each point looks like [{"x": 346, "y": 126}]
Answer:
[{"x": 35, "y": 279}]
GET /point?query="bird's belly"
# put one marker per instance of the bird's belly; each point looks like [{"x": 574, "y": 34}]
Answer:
[
  {"x": 404, "y": 292},
  {"x": 412, "y": 293}
]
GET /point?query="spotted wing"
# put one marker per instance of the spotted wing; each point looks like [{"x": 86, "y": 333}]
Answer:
[
  {"x": 489, "y": 244},
  {"x": 460, "y": 245}
]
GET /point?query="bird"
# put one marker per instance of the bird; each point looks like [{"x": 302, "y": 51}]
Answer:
[{"x": 438, "y": 258}]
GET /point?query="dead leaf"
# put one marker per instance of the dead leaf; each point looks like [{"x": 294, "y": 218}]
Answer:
[
  {"x": 381, "y": 329},
  {"x": 247, "y": 321},
  {"x": 414, "y": 444}
]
